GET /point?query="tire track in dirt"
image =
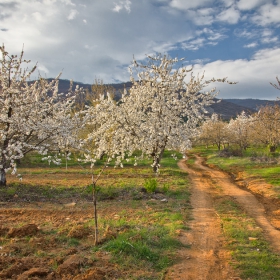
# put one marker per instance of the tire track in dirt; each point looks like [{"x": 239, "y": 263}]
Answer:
[
  {"x": 246, "y": 200},
  {"x": 207, "y": 258}
]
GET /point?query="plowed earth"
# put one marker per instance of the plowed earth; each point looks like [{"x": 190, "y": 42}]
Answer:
[{"x": 207, "y": 259}]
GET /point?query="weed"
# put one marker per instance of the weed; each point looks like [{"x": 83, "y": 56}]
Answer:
[
  {"x": 250, "y": 250},
  {"x": 150, "y": 185},
  {"x": 166, "y": 187},
  {"x": 73, "y": 242}
]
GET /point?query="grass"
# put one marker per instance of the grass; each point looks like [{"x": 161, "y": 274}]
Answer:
[
  {"x": 256, "y": 163},
  {"x": 137, "y": 229},
  {"x": 251, "y": 253}
]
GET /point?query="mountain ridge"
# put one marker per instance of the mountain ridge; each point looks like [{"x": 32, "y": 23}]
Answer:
[{"x": 226, "y": 108}]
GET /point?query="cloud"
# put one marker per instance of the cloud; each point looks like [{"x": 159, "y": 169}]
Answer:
[
  {"x": 110, "y": 37},
  {"x": 186, "y": 5},
  {"x": 268, "y": 40},
  {"x": 67, "y": 2},
  {"x": 251, "y": 45},
  {"x": 42, "y": 69},
  {"x": 122, "y": 5},
  {"x": 72, "y": 15},
  {"x": 205, "y": 36},
  {"x": 193, "y": 44},
  {"x": 228, "y": 3},
  {"x": 98, "y": 39},
  {"x": 250, "y": 4},
  {"x": 201, "y": 16},
  {"x": 37, "y": 16},
  {"x": 253, "y": 76},
  {"x": 246, "y": 33},
  {"x": 230, "y": 16},
  {"x": 267, "y": 14},
  {"x": 7, "y": 9}
]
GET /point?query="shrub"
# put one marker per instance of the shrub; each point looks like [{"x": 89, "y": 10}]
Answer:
[{"x": 150, "y": 185}]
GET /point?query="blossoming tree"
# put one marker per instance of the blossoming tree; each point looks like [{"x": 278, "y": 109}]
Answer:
[
  {"x": 163, "y": 108},
  {"x": 33, "y": 115},
  {"x": 240, "y": 130},
  {"x": 214, "y": 131}
]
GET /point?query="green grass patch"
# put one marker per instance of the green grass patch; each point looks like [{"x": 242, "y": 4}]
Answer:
[
  {"x": 256, "y": 162},
  {"x": 145, "y": 245},
  {"x": 251, "y": 253},
  {"x": 139, "y": 228}
]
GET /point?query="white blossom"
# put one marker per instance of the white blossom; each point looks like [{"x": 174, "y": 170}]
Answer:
[{"x": 33, "y": 115}]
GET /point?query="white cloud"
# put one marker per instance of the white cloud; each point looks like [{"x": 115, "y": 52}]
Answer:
[
  {"x": 228, "y": 3},
  {"x": 73, "y": 13},
  {"x": 250, "y": 4},
  {"x": 194, "y": 44},
  {"x": 253, "y": 76},
  {"x": 246, "y": 33},
  {"x": 48, "y": 2},
  {"x": 201, "y": 16},
  {"x": 268, "y": 40},
  {"x": 37, "y": 16},
  {"x": 251, "y": 45},
  {"x": 42, "y": 69},
  {"x": 230, "y": 15},
  {"x": 96, "y": 41},
  {"x": 216, "y": 36},
  {"x": 122, "y": 5},
  {"x": 267, "y": 14},
  {"x": 267, "y": 32},
  {"x": 67, "y": 2},
  {"x": 200, "y": 61},
  {"x": 186, "y": 5}
]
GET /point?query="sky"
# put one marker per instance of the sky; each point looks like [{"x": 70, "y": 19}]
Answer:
[{"x": 97, "y": 39}]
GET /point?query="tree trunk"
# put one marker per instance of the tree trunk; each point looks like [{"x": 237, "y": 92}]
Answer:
[
  {"x": 95, "y": 216},
  {"x": 2, "y": 177},
  {"x": 156, "y": 160},
  {"x": 155, "y": 164},
  {"x": 94, "y": 198},
  {"x": 272, "y": 148}
]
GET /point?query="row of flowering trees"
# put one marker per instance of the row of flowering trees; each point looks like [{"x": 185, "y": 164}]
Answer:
[
  {"x": 161, "y": 111},
  {"x": 261, "y": 128},
  {"x": 33, "y": 116}
]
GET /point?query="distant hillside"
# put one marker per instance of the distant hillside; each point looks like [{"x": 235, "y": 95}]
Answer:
[
  {"x": 254, "y": 104},
  {"x": 64, "y": 85},
  {"x": 227, "y": 110}
]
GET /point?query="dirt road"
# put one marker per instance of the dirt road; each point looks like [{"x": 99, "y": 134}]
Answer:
[{"x": 207, "y": 258}]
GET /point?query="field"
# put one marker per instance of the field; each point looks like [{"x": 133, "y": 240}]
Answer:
[
  {"x": 48, "y": 228},
  {"x": 190, "y": 222}
]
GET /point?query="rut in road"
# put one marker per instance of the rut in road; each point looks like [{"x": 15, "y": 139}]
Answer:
[
  {"x": 207, "y": 259},
  {"x": 246, "y": 200}
]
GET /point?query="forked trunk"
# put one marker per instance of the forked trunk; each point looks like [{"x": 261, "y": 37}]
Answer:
[
  {"x": 2, "y": 177},
  {"x": 272, "y": 148},
  {"x": 155, "y": 164},
  {"x": 156, "y": 160}
]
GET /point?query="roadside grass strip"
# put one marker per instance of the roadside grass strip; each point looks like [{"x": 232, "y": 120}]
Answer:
[{"x": 251, "y": 253}]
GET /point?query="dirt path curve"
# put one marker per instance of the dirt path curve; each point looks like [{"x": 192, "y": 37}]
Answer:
[
  {"x": 207, "y": 258},
  {"x": 246, "y": 200}
]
